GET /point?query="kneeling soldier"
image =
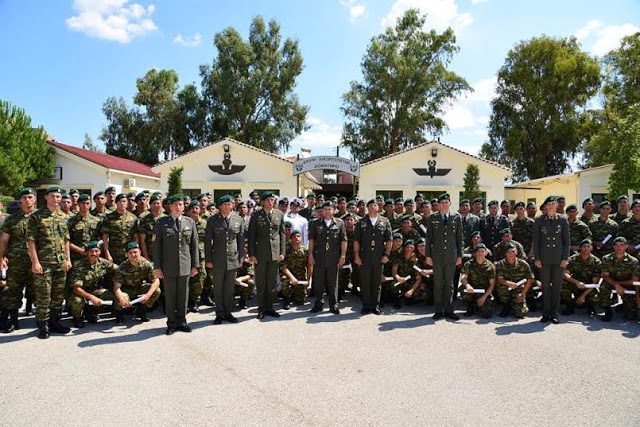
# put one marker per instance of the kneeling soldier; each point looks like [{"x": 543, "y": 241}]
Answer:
[
  {"x": 135, "y": 279},
  {"x": 91, "y": 280},
  {"x": 618, "y": 270},
  {"x": 514, "y": 281},
  {"x": 478, "y": 274},
  {"x": 245, "y": 283},
  {"x": 583, "y": 267},
  {"x": 295, "y": 269}
]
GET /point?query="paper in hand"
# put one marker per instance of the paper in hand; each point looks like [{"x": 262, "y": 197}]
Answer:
[{"x": 137, "y": 300}]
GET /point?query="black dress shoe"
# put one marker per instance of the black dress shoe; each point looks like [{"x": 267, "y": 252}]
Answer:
[
  {"x": 217, "y": 320},
  {"x": 376, "y": 311},
  {"x": 316, "y": 309},
  {"x": 438, "y": 316},
  {"x": 230, "y": 318},
  {"x": 555, "y": 320},
  {"x": 545, "y": 319},
  {"x": 260, "y": 315},
  {"x": 272, "y": 313},
  {"x": 365, "y": 310},
  {"x": 184, "y": 328},
  {"x": 452, "y": 316},
  {"x": 169, "y": 331},
  {"x": 335, "y": 310},
  {"x": 194, "y": 309}
]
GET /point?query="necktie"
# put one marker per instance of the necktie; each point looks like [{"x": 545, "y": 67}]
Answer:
[
  {"x": 226, "y": 221},
  {"x": 178, "y": 224},
  {"x": 464, "y": 221},
  {"x": 446, "y": 217},
  {"x": 269, "y": 216}
]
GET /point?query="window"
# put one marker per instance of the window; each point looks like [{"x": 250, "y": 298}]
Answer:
[
  {"x": 483, "y": 195},
  {"x": 635, "y": 196},
  {"x": 219, "y": 193},
  {"x": 389, "y": 194},
  {"x": 597, "y": 199},
  {"x": 531, "y": 199},
  {"x": 191, "y": 192},
  {"x": 260, "y": 191}
]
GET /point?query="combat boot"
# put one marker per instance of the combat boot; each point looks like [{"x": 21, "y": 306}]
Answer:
[
  {"x": 608, "y": 314},
  {"x": 77, "y": 322},
  {"x": 43, "y": 330},
  {"x": 506, "y": 310},
  {"x": 591, "y": 310},
  {"x": 569, "y": 308},
  {"x": 56, "y": 326},
  {"x": 532, "y": 304},
  {"x": 4, "y": 321},
  {"x": 119, "y": 317},
  {"x": 90, "y": 314},
  {"x": 242, "y": 303},
  {"x": 286, "y": 303},
  {"x": 13, "y": 319},
  {"x": 471, "y": 310},
  {"x": 28, "y": 308},
  {"x": 142, "y": 313},
  {"x": 193, "y": 308},
  {"x": 205, "y": 298}
]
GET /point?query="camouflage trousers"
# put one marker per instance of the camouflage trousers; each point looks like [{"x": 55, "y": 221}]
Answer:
[
  {"x": 486, "y": 310},
  {"x": 50, "y": 290},
  {"x": 19, "y": 277},
  {"x": 244, "y": 292},
  {"x": 347, "y": 276},
  {"x": 296, "y": 294},
  {"x": 77, "y": 303},
  {"x": 128, "y": 293},
  {"x": 569, "y": 290},
  {"x": 607, "y": 299},
  {"x": 506, "y": 296},
  {"x": 196, "y": 284}
]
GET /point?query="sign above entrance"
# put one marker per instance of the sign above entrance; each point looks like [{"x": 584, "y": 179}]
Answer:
[
  {"x": 431, "y": 170},
  {"x": 326, "y": 162}
]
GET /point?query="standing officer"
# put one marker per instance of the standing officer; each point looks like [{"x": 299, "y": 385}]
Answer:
[
  {"x": 266, "y": 250},
  {"x": 118, "y": 229},
  {"x": 372, "y": 248},
  {"x": 175, "y": 259},
  {"x": 224, "y": 253},
  {"x": 327, "y": 254},
  {"x": 444, "y": 247},
  {"x": 48, "y": 245},
  {"x": 492, "y": 224},
  {"x": 551, "y": 253}
]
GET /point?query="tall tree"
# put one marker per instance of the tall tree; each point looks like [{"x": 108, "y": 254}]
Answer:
[
  {"x": 538, "y": 121},
  {"x": 249, "y": 89},
  {"x": 88, "y": 144},
  {"x": 625, "y": 152},
  {"x": 471, "y": 182},
  {"x": 406, "y": 87},
  {"x": 24, "y": 154},
  {"x": 174, "y": 180}
]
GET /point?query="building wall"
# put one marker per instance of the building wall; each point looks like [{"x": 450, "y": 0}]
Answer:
[
  {"x": 396, "y": 173},
  {"x": 537, "y": 191}
]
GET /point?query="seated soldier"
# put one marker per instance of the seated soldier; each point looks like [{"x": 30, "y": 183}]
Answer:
[
  {"x": 91, "y": 280},
  {"x": 514, "y": 281},
  {"x": 403, "y": 273},
  {"x": 478, "y": 274},
  {"x": 618, "y": 271},
  {"x": 469, "y": 251},
  {"x": 498, "y": 249},
  {"x": 245, "y": 283},
  {"x": 583, "y": 268},
  {"x": 295, "y": 268},
  {"x": 135, "y": 279},
  {"x": 422, "y": 289},
  {"x": 386, "y": 295}
]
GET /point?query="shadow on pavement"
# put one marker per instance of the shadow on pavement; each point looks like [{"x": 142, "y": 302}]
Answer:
[
  {"x": 112, "y": 338},
  {"x": 522, "y": 328},
  {"x": 407, "y": 324}
]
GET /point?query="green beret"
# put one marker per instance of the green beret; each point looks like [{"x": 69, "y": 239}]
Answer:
[
  {"x": 193, "y": 204},
  {"x": 492, "y": 202},
  {"x": 398, "y": 236},
  {"x": 26, "y": 191},
  {"x": 108, "y": 189},
  {"x": 157, "y": 193},
  {"x": 371, "y": 202},
  {"x": 476, "y": 233},
  {"x": 265, "y": 195},
  {"x": 320, "y": 196},
  {"x": 140, "y": 195},
  {"x": 518, "y": 204},
  {"x": 255, "y": 193},
  {"x": 318, "y": 206},
  {"x": 604, "y": 203},
  {"x": 444, "y": 196},
  {"x": 327, "y": 204},
  {"x": 379, "y": 197},
  {"x": 283, "y": 201},
  {"x": 587, "y": 200},
  {"x": 421, "y": 241},
  {"x": 54, "y": 190},
  {"x": 73, "y": 191},
  {"x": 435, "y": 200},
  {"x": 505, "y": 231},
  {"x": 408, "y": 242},
  {"x": 463, "y": 201},
  {"x": 620, "y": 239},
  {"x": 504, "y": 202},
  {"x": 201, "y": 196},
  {"x": 388, "y": 202},
  {"x": 237, "y": 195},
  {"x": 585, "y": 242},
  {"x": 405, "y": 217},
  {"x": 478, "y": 200},
  {"x": 349, "y": 215},
  {"x": 147, "y": 192},
  {"x": 425, "y": 202},
  {"x": 509, "y": 245},
  {"x": 66, "y": 196},
  {"x": 559, "y": 198},
  {"x": 635, "y": 202},
  {"x": 83, "y": 198},
  {"x": 361, "y": 202},
  {"x": 409, "y": 202},
  {"x": 571, "y": 207},
  {"x": 398, "y": 200},
  {"x": 334, "y": 199},
  {"x": 549, "y": 199},
  {"x": 342, "y": 199},
  {"x": 311, "y": 195},
  {"x": 351, "y": 203},
  {"x": 120, "y": 196},
  {"x": 529, "y": 204},
  {"x": 288, "y": 224},
  {"x": 241, "y": 203},
  {"x": 99, "y": 193},
  {"x": 621, "y": 198},
  {"x": 225, "y": 199},
  {"x": 294, "y": 232},
  {"x": 92, "y": 245},
  {"x": 419, "y": 195},
  {"x": 480, "y": 246},
  {"x": 131, "y": 194},
  {"x": 132, "y": 245},
  {"x": 210, "y": 205},
  {"x": 154, "y": 197}
]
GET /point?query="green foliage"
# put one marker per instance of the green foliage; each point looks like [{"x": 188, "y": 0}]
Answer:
[
  {"x": 471, "y": 182},
  {"x": 248, "y": 90},
  {"x": 538, "y": 121},
  {"x": 24, "y": 154},
  {"x": 89, "y": 144},
  {"x": 405, "y": 89},
  {"x": 625, "y": 153},
  {"x": 174, "y": 180}
]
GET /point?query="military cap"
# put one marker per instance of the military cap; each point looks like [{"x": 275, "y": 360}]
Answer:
[
  {"x": 621, "y": 198},
  {"x": 478, "y": 200},
  {"x": 604, "y": 203},
  {"x": 54, "y": 190},
  {"x": 571, "y": 207},
  {"x": 476, "y": 233},
  {"x": 408, "y": 242},
  {"x": 398, "y": 200},
  {"x": 509, "y": 245},
  {"x": 83, "y": 198},
  {"x": 419, "y": 195},
  {"x": 295, "y": 201},
  {"x": 111, "y": 188},
  {"x": 166, "y": 201},
  {"x": 241, "y": 203},
  {"x": 98, "y": 193},
  {"x": 334, "y": 199},
  {"x": 66, "y": 196},
  {"x": 147, "y": 192},
  {"x": 379, "y": 197},
  {"x": 409, "y": 202},
  {"x": 265, "y": 195},
  {"x": 550, "y": 199},
  {"x": 444, "y": 196},
  {"x": 635, "y": 202},
  {"x": 349, "y": 215},
  {"x": 288, "y": 224},
  {"x": 371, "y": 202},
  {"x": 463, "y": 201},
  {"x": 193, "y": 204},
  {"x": 425, "y": 202},
  {"x": 585, "y": 242},
  {"x": 328, "y": 204},
  {"x": 25, "y": 191},
  {"x": 587, "y": 200},
  {"x": 620, "y": 239},
  {"x": 320, "y": 196},
  {"x": 311, "y": 195},
  {"x": 388, "y": 202},
  {"x": 405, "y": 217},
  {"x": 355, "y": 198},
  {"x": 157, "y": 193},
  {"x": 140, "y": 195},
  {"x": 176, "y": 198},
  {"x": 519, "y": 204},
  {"x": 492, "y": 202},
  {"x": 73, "y": 191},
  {"x": 132, "y": 245},
  {"x": 255, "y": 193},
  {"x": 294, "y": 232},
  {"x": 351, "y": 203},
  {"x": 342, "y": 199},
  {"x": 479, "y": 246},
  {"x": 92, "y": 245},
  {"x": 210, "y": 205},
  {"x": 398, "y": 236},
  {"x": 505, "y": 231},
  {"x": 224, "y": 199},
  {"x": 420, "y": 241},
  {"x": 531, "y": 204},
  {"x": 237, "y": 195},
  {"x": 154, "y": 197},
  {"x": 121, "y": 196},
  {"x": 131, "y": 194},
  {"x": 433, "y": 201},
  {"x": 361, "y": 202},
  {"x": 560, "y": 197},
  {"x": 504, "y": 202},
  {"x": 201, "y": 196},
  {"x": 318, "y": 206},
  {"x": 283, "y": 201}
]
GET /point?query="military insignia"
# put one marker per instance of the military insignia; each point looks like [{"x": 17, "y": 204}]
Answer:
[{"x": 153, "y": 238}]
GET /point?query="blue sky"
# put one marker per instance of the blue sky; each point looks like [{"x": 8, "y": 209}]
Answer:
[{"x": 62, "y": 59}]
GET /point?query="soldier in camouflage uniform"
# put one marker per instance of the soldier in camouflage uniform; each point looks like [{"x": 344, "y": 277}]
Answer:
[
  {"x": 346, "y": 275},
  {"x": 630, "y": 229},
  {"x": 470, "y": 222},
  {"x": 404, "y": 274},
  {"x": 295, "y": 268},
  {"x": 510, "y": 291},
  {"x": 476, "y": 239},
  {"x": 388, "y": 290},
  {"x": 478, "y": 274},
  {"x": 91, "y": 279},
  {"x": 623, "y": 210},
  {"x": 406, "y": 229},
  {"x": 583, "y": 268},
  {"x": 410, "y": 210},
  {"x": 145, "y": 226},
  {"x": 603, "y": 228},
  {"x": 118, "y": 229},
  {"x": 245, "y": 274},
  {"x": 390, "y": 214},
  {"x": 48, "y": 245},
  {"x": 110, "y": 199},
  {"x": 422, "y": 289},
  {"x": 74, "y": 194},
  {"x": 522, "y": 228},
  {"x": 196, "y": 283},
  {"x": 83, "y": 228},
  {"x": 100, "y": 209},
  {"x": 13, "y": 245},
  {"x": 499, "y": 251},
  {"x": 588, "y": 217},
  {"x": 135, "y": 278},
  {"x": 65, "y": 205},
  {"x": 477, "y": 206},
  {"x": 618, "y": 271},
  {"x": 531, "y": 210},
  {"x": 141, "y": 205},
  {"x": 578, "y": 230}
]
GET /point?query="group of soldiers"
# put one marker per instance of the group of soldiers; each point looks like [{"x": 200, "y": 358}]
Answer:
[{"x": 127, "y": 253}]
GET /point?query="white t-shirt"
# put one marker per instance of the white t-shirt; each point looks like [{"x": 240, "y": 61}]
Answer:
[{"x": 373, "y": 220}]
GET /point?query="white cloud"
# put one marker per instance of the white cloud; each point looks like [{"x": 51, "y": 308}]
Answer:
[
  {"x": 320, "y": 138},
  {"x": 483, "y": 91},
  {"x": 478, "y": 1},
  {"x": 589, "y": 28},
  {"x": 356, "y": 9},
  {"x": 441, "y": 14},
  {"x": 188, "y": 41},
  {"x": 111, "y": 20},
  {"x": 608, "y": 38}
]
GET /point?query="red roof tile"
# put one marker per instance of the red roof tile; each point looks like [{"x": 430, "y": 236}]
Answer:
[{"x": 106, "y": 160}]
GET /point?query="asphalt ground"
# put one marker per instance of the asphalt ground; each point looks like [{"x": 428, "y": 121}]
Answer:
[{"x": 401, "y": 368}]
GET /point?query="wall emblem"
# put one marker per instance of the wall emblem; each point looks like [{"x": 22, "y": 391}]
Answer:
[
  {"x": 431, "y": 170},
  {"x": 227, "y": 168}
]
